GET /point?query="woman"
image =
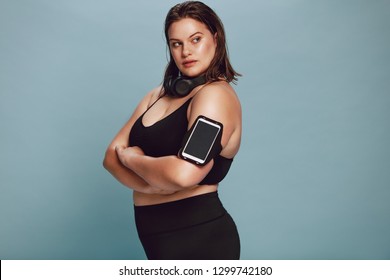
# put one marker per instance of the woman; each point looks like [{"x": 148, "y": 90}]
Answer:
[{"x": 177, "y": 209}]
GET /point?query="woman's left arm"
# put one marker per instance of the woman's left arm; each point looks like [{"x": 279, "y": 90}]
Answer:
[{"x": 172, "y": 173}]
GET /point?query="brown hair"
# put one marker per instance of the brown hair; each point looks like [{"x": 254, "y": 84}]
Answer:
[{"x": 220, "y": 66}]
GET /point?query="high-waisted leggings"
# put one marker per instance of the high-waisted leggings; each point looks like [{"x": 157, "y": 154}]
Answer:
[{"x": 195, "y": 228}]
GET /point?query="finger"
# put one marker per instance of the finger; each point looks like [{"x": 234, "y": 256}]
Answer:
[{"x": 119, "y": 149}]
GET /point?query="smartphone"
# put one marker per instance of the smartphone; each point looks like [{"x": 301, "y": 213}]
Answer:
[{"x": 201, "y": 140}]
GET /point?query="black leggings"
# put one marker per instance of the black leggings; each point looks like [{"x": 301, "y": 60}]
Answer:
[{"x": 195, "y": 228}]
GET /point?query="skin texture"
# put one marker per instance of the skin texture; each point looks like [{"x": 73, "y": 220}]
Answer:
[{"x": 169, "y": 178}]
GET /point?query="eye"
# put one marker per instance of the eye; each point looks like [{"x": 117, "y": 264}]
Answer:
[
  {"x": 196, "y": 40},
  {"x": 175, "y": 44}
]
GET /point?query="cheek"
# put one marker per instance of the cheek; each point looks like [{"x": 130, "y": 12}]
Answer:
[
  {"x": 208, "y": 50},
  {"x": 172, "y": 53},
  {"x": 175, "y": 55}
]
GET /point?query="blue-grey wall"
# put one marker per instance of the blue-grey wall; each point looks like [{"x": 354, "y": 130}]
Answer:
[{"x": 312, "y": 179}]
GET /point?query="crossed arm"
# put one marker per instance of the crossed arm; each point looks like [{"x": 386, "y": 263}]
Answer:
[{"x": 162, "y": 175}]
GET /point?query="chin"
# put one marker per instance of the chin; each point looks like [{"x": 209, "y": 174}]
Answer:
[{"x": 192, "y": 73}]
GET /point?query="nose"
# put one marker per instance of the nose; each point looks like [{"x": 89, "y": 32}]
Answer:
[{"x": 186, "y": 51}]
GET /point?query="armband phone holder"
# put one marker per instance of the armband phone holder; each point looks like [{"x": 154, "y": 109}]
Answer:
[{"x": 202, "y": 142}]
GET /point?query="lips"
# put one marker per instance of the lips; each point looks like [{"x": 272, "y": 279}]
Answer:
[{"x": 189, "y": 63}]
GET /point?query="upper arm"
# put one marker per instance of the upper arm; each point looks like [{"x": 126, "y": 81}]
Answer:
[{"x": 219, "y": 102}]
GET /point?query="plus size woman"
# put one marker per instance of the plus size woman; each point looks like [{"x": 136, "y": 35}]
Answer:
[{"x": 177, "y": 209}]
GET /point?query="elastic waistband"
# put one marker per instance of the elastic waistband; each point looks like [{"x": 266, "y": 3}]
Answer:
[{"x": 165, "y": 217}]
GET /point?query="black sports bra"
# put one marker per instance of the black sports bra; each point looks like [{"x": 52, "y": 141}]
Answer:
[{"x": 165, "y": 137}]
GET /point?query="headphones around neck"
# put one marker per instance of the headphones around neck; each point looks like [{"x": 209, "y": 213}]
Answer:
[{"x": 182, "y": 86}]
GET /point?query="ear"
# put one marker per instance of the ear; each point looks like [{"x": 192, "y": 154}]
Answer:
[{"x": 216, "y": 38}]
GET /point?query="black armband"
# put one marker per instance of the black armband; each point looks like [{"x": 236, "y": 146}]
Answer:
[{"x": 202, "y": 142}]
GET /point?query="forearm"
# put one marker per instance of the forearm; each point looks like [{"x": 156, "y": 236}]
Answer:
[
  {"x": 158, "y": 172},
  {"x": 128, "y": 177},
  {"x": 168, "y": 173}
]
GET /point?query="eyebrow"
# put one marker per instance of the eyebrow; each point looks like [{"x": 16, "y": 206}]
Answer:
[{"x": 198, "y": 32}]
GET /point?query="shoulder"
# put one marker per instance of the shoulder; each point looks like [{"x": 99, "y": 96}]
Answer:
[
  {"x": 153, "y": 95},
  {"x": 149, "y": 99},
  {"x": 220, "y": 90},
  {"x": 216, "y": 100}
]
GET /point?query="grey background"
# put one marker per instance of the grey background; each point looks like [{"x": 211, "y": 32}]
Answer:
[{"x": 311, "y": 180}]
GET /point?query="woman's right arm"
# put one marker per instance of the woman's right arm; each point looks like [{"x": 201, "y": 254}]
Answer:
[{"x": 113, "y": 164}]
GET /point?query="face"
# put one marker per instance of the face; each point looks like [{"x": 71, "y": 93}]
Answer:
[{"x": 192, "y": 46}]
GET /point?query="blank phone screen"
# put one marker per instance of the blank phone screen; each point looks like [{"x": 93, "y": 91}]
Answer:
[{"x": 201, "y": 140}]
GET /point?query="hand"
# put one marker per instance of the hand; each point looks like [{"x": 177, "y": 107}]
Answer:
[{"x": 125, "y": 154}]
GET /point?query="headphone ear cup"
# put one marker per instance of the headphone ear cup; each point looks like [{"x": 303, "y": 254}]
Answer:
[
  {"x": 168, "y": 86},
  {"x": 182, "y": 86}
]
